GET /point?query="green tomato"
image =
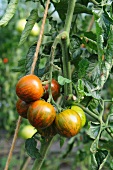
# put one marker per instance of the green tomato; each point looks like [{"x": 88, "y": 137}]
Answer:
[
  {"x": 36, "y": 30},
  {"x": 81, "y": 114},
  {"x": 21, "y": 25},
  {"x": 27, "y": 132}
]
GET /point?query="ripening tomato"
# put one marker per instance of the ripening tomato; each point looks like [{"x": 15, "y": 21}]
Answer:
[
  {"x": 5, "y": 60},
  {"x": 29, "y": 88},
  {"x": 41, "y": 114},
  {"x": 68, "y": 123},
  {"x": 81, "y": 114},
  {"x": 55, "y": 88},
  {"x": 48, "y": 132},
  {"x": 22, "y": 108}
]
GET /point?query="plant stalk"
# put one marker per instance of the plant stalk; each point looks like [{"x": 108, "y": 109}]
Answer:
[
  {"x": 65, "y": 46},
  {"x": 44, "y": 149},
  {"x": 69, "y": 16}
]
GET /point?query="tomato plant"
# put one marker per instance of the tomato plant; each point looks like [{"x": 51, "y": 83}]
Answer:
[
  {"x": 55, "y": 88},
  {"x": 81, "y": 114},
  {"x": 22, "y": 108},
  {"x": 68, "y": 123},
  {"x": 29, "y": 88},
  {"x": 75, "y": 48},
  {"x": 41, "y": 114}
]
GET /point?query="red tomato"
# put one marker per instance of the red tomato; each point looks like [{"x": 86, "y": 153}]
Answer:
[
  {"x": 22, "y": 108},
  {"x": 29, "y": 88},
  {"x": 41, "y": 114},
  {"x": 5, "y": 60},
  {"x": 55, "y": 88},
  {"x": 68, "y": 123}
]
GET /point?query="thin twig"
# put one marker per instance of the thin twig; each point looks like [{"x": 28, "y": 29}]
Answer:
[
  {"x": 90, "y": 24},
  {"x": 40, "y": 37},
  {"x": 13, "y": 143}
]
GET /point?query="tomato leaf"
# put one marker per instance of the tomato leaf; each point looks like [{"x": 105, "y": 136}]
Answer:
[
  {"x": 10, "y": 11},
  {"x": 62, "y": 80},
  {"x": 93, "y": 129},
  {"x": 31, "y": 149},
  {"x": 62, "y": 140},
  {"x": 61, "y": 8},
  {"x": 28, "y": 27},
  {"x": 98, "y": 159},
  {"x": 29, "y": 59},
  {"x": 83, "y": 65}
]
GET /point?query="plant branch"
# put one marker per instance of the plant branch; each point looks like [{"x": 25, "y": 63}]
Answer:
[
  {"x": 40, "y": 38},
  {"x": 94, "y": 2},
  {"x": 66, "y": 61},
  {"x": 69, "y": 16},
  {"x": 13, "y": 143},
  {"x": 44, "y": 149}
]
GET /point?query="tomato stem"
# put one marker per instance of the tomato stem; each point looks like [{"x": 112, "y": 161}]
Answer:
[
  {"x": 65, "y": 46},
  {"x": 43, "y": 150},
  {"x": 69, "y": 16}
]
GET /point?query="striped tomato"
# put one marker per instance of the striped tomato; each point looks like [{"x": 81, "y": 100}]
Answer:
[
  {"x": 29, "y": 88},
  {"x": 41, "y": 114},
  {"x": 22, "y": 108},
  {"x": 68, "y": 123},
  {"x": 55, "y": 89},
  {"x": 48, "y": 132}
]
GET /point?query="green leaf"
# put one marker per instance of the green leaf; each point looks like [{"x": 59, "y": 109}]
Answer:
[
  {"x": 30, "y": 146},
  {"x": 99, "y": 33},
  {"x": 29, "y": 60},
  {"x": 61, "y": 8},
  {"x": 10, "y": 11},
  {"x": 62, "y": 141},
  {"x": 93, "y": 129},
  {"x": 98, "y": 159},
  {"x": 83, "y": 65},
  {"x": 89, "y": 90},
  {"x": 22, "y": 62},
  {"x": 28, "y": 27},
  {"x": 62, "y": 80},
  {"x": 93, "y": 72},
  {"x": 80, "y": 87},
  {"x": 89, "y": 40}
]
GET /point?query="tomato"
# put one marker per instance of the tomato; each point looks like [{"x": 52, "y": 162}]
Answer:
[
  {"x": 41, "y": 114},
  {"x": 55, "y": 88},
  {"x": 68, "y": 123},
  {"x": 22, "y": 108},
  {"x": 5, "y": 60},
  {"x": 48, "y": 132},
  {"x": 27, "y": 132},
  {"x": 81, "y": 114},
  {"x": 29, "y": 88},
  {"x": 21, "y": 25}
]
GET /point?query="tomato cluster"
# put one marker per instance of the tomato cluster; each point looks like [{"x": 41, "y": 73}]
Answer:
[{"x": 41, "y": 114}]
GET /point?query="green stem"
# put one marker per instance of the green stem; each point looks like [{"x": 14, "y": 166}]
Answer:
[
  {"x": 69, "y": 16},
  {"x": 65, "y": 46},
  {"x": 94, "y": 2},
  {"x": 89, "y": 112},
  {"x": 85, "y": 110},
  {"x": 44, "y": 149}
]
